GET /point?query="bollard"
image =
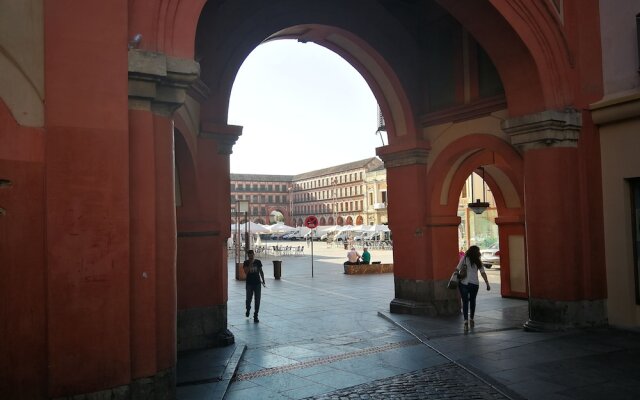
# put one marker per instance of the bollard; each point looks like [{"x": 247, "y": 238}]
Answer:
[
  {"x": 240, "y": 275},
  {"x": 277, "y": 269}
]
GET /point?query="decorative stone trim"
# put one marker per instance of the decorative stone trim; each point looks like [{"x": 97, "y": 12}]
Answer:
[
  {"x": 159, "y": 83},
  {"x": 225, "y": 135},
  {"x": 616, "y": 109},
  {"x": 477, "y": 109},
  {"x": 405, "y": 157},
  {"x": 361, "y": 269},
  {"x": 546, "y": 129}
]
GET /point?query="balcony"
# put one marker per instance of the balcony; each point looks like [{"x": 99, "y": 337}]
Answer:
[{"x": 379, "y": 206}]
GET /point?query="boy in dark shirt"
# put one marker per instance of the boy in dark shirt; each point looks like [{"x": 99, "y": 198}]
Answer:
[{"x": 255, "y": 276}]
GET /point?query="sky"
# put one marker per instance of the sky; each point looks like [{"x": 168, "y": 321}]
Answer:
[{"x": 302, "y": 108}]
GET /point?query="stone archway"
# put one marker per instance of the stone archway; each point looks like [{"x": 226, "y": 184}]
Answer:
[
  {"x": 121, "y": 149},
  {"x": 503, "y": 167}
]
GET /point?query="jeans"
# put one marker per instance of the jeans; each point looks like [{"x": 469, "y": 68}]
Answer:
[
  {"x": 251, "y": 289},
  {"x": 468, "y": 293}
]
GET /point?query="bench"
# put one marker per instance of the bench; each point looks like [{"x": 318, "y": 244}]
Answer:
[{"x": 375, "y": 268}]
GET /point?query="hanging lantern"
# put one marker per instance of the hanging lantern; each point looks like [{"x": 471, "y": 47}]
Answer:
[{"x": 478, "y": 206}]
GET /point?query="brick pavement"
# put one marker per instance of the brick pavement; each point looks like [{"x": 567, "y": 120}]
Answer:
[{"x": 447, "y": 381}]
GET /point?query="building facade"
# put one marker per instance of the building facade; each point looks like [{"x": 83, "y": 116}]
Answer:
[
  {"x": 269, "y": 197},
  {"x": 617, "y": 116},
  {"x": 337, "y": 195}
]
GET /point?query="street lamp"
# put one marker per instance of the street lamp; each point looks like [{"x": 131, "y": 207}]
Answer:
[
  {"x": 242, "y": 206},
  {"x": 478, "y": 206}
]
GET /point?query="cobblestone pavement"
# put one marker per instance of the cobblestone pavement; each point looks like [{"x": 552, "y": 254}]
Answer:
[{"x": 447, "y": 381}]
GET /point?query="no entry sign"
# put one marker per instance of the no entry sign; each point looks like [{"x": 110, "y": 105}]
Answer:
[{"x": 311, "y": 221}]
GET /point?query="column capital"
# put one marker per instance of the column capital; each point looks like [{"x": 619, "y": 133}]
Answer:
[
  {"x": 159, "y": 83},
  {"x": 549, "y": 128},
  {"x": 225, "y": 135},
  {"x": 399, "y": 155}
]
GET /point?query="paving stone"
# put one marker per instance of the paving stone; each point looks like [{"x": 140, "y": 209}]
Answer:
[{"x": 447, "y": 381}]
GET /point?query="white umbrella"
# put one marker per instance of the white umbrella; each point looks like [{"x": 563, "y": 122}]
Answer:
[
  {"x": 327, "y": 228},
  {"x": 280, "y": 228},
  {"x": 377, "y": 228},
  {"x": 255, "y": 228}
]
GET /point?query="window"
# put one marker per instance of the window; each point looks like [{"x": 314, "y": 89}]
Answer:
[
  {"x": 384, "y": 197},
  {"x": 370, "y": 199},
  {"x": 635, "y": 228}
]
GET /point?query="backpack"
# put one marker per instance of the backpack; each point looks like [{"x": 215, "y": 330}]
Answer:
[{"x": 463, "y": 270}]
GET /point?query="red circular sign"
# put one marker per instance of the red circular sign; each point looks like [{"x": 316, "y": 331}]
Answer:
[{"x": 311, "y": 221}]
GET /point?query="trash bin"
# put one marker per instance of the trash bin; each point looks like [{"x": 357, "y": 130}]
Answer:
[
  {"x": 277, "y": 269},
  {"x": 346, "y": 245},
  {"x": 240, "y": 275}
]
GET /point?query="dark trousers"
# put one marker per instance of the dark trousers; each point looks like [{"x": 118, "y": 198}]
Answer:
[
  {"x": 253, "y": 288},
  {"x": 468, "y": 294}
]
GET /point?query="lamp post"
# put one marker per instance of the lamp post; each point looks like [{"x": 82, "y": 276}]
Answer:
[{"x": 242, "y": 206}]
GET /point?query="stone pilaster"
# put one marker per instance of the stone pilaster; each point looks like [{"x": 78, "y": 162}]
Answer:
[
  {"x": 224, "y": 135},
  {"x": 419, "y": 276},
  {"x": 546, "y": 129},
  {"x": 159, "y": 83},
  {"x": 556, "y": 272}
]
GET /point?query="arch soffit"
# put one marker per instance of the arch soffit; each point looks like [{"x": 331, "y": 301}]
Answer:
[
  {"x": 527, "y": 44},
  {"x": 503, "y": 172},
  {"x": 335, "y": 31},
  {"x": 380, "y": 76},
  {"x": 181, "y": 128}
]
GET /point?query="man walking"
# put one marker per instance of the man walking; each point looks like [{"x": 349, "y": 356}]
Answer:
[{"x": 255, "y": 276}]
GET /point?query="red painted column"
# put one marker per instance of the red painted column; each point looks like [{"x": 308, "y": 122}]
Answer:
[
  {"x": 23, "y": 340},
  {"x": 87, "y": 196},
  {"x": 166, "y": 304},
  {"x": 202, "y": 237},
  {"x": 143, "y": 243},
  {"x": 421, "y": 262},
  {"x": 153, "y": 98},
  {"x": 554, "y": 222}
]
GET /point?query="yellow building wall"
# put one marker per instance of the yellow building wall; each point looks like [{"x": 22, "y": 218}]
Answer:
[{"x": 620, "y": 144}]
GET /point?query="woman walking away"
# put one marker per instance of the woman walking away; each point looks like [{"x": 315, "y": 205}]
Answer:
[{"x": 468, "y": 268}]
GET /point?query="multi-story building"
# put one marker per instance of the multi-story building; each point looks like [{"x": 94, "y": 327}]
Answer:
[
  {"x": 268, "y": 196},
  {"x": 346, "y": 194},
  {"x": 336, "y": 195},
  {"x": 376, "y": 196}
]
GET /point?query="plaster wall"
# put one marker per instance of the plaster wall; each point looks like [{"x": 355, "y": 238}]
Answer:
[
  {"x": 620, "y": 142},
  {"x": 22, "y": 60},
  {"x": 619, "y": 45},
  {"x": 442, "y": 135}
]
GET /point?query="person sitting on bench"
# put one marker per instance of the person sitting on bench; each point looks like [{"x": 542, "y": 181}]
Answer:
[
  {"x": 353, "y": 258},
  {"x": 366, "y": 256}
]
